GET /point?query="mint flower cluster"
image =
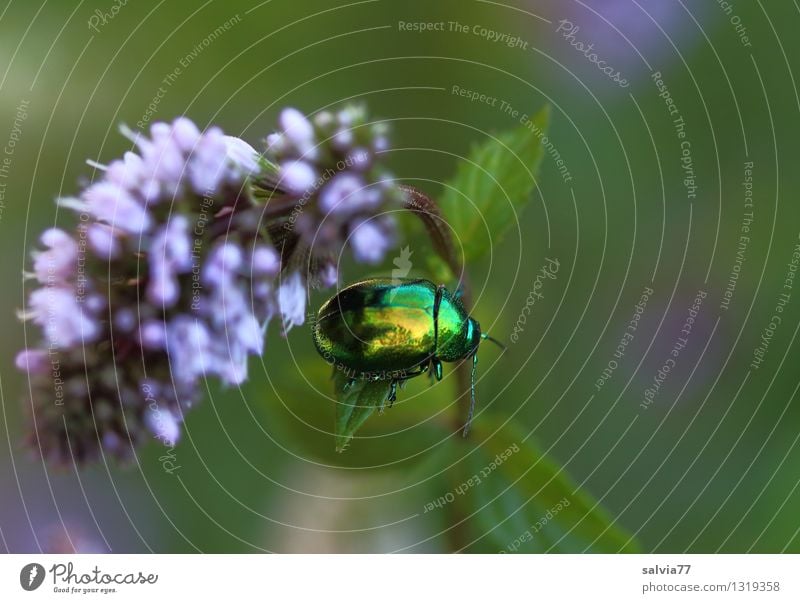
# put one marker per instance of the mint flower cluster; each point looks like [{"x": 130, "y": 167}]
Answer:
[
  {"x": 178, "y": 263},
  {"x": 337, "y": 193}
]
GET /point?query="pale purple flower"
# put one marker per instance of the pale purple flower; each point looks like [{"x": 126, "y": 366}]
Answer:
[
  {"x": 348, "y": 116},
  {"x": 329, "y": 275},
  {"x": 185, "y": 133},
  {"x": 163, "y": 424},
  {"x": 189, "y": 344},
  {"x": 208, "y": 162},
  {"x": 170, "y": 256},
  {"x": 57, "y": 311},
  {"x": 178, "y": 155},
  {"x": 242, "y": 156},
  {"x": 114, "y": 205},
  {"x": 297, "y": 128},
  {"x": 241, "y": 335},
  {"x": 127, "y": 172},
  {"x": 222, "y": 265},
  {"x": 276, "y": 143},
  {"x": 232, "y": 364},
  {"x": 34, "y": 362},
  {"x": 152, "y": 335},
  {"x": 360, "y": 158},
  {"x": 172, "y": 244},
  {"x": 57, "y": 263},
  {"x": 103, "y": 241},
  {"x": 55, "y": 238},
  {"x": 247, "y": 332},
  {"x": 162, "y": 288},
  {"x": 125, "y": 320},
  {"x": 343, "y": 139},
  {"x": 265, "y": 261},
  {"x": 329, "y": 165},
  {"x": 227, "y": 257},
  {"x": 345, "y": 193},
  {"x": 171, "y": 302},
  {"x": 263, "y": 292},
  {"x": 181, "y": 277},
  {"x": 292, "y": 300},
  {"x": 297, "y": 176},
  {"x": 163, "y": 158},
  {"x": 370, "y": 242},
  {"x": 94, "y": 303}
]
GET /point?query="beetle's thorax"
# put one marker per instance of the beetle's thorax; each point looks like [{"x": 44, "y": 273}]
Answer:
[{"x": 458, "y": 333}]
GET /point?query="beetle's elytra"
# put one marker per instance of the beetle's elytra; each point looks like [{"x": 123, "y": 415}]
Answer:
[{"x": 396, "y": 329}]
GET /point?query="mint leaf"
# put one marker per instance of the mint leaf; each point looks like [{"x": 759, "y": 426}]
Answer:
[
  {"x": 355, "y": 404},
  {"x": 522, "y": 501},
  {"x": 492, "y": 186}
]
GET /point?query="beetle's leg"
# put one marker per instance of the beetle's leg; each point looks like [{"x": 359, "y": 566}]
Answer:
[
  {"x": 422, "y": 368},
  {"x": 388, "y": 399},
  {"x": 349, "y": 384},
  {"x": 471, "y": 396},
  {"x": 434, "y": 369},
  {"x": 436, "y": 364},
  {"x": 392, "y": 392}
]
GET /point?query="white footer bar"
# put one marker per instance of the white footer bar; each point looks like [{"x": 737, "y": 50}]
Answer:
[{"x": 400, "y": 578}]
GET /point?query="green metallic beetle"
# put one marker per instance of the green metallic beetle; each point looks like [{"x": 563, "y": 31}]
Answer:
[{"x": 396, "y": 329}]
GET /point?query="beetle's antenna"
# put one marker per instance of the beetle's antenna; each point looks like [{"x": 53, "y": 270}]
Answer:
[
  {"x": 493, "y": 340},
  {"x": 471, "y": 397}
]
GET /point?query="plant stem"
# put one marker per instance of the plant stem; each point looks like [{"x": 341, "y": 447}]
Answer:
[
  {"x": 428, "y": 211},
  {"x": 430, "y": 214}
]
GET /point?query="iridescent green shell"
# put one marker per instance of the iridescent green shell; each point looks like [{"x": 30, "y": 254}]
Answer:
[{"x": 381, "y": 326}]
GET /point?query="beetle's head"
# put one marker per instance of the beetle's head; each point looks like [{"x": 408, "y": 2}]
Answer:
[{"x": 473, "y": 334}]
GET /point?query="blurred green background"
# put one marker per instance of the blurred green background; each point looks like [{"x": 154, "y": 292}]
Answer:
[{"x": 711, "y": 465}]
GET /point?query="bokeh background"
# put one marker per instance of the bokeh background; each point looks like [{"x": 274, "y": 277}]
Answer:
[{"x": 711, "y": 465}]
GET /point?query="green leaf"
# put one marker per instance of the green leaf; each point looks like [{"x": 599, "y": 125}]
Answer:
[
  {"x": 523, "y": 501},
  {"x": 492, "y": 186},
  {"x": 356, "y": 402}
]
